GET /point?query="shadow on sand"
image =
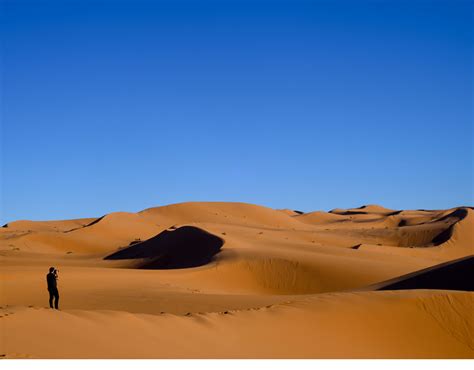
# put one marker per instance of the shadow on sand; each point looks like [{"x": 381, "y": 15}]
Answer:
[
  {"x": 452, "y": 275},
  {"x": 183, "y": 247}
]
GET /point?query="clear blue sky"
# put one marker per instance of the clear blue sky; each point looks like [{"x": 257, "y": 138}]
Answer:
[{"x": 122, "y": 105}]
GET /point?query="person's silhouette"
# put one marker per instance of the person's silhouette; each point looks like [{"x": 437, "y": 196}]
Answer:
[{"x": 51, "y": 278}]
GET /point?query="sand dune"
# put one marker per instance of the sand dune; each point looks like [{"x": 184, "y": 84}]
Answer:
[
  {"x": 413, "y": 324},
  {"x": 30, "y": 226},
  {"x": 220, "y": 279}
]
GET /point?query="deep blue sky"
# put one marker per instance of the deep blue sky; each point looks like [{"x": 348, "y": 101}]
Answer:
[{"x": 122, "y": 105}]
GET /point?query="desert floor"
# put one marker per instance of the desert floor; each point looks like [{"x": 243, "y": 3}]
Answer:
[{"x": 235, "y": 280}]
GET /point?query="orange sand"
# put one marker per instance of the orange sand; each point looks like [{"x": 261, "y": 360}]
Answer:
[{"x": 283, "y": 285}]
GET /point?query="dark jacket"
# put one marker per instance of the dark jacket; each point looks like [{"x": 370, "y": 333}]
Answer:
[{"x": 51, "y": 279}]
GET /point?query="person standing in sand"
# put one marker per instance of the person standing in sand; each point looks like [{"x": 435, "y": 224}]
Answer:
[{"x": 51, "y": 279}]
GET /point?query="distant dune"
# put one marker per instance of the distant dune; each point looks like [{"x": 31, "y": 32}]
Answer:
[{"x": 220, "y": 280}]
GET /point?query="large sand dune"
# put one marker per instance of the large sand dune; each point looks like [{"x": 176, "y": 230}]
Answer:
[{"x": 206, "y": 280}]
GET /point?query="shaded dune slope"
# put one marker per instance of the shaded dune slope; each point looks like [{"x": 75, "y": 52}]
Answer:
[
  {"x": 453, "y": 275},
  {"x": 184, "y": 247},
  {"x": 451, "y": 218}
]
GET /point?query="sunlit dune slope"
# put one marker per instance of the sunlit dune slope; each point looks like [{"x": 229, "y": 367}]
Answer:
[{"x": 401, "y": 324}]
